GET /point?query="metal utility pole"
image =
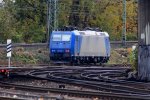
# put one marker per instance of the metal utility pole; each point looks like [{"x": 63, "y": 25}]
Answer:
[
  {"x": 52, "y": 22},
  {"x": 124, "y": 23},
  {"x": 74, "y": 17}
]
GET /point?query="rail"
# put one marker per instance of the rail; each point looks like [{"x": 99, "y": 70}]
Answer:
[
  {"x": 46, "y": 45},
  {"x": 78, "y": 93},
  {"x": 94, "y": 78},
  {"x": 11, "y": 95}
]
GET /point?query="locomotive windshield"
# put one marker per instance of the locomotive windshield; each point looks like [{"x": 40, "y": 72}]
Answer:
[
  {"x": 56, "y": 37},
  {"x": 61, "y": 37},
  {"x": 66, "y": 37}
]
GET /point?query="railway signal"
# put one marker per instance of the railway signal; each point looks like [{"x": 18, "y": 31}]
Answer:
[{"x": 9, "y": 50}]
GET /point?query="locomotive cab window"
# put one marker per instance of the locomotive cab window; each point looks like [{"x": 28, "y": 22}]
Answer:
[
  {"x": 66, "y": 37},
  {"x": 56, "y": 37}
]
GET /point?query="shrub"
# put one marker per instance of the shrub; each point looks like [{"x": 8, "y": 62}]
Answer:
[{"x": 133, "y": 58}]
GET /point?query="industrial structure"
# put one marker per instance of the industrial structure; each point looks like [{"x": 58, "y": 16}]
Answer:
[
  {"x": 52, "y": 22},
  {"x": 144, "y": 39}
]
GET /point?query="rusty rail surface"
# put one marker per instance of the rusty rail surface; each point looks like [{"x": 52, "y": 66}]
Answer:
[{"x": 46, "y": 45}]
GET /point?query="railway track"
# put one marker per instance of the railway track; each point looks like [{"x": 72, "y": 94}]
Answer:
[
  {"x": 39, "y": 45},
  {"x": 87, "y": 94},
  {"x": 9, "y": 98},
  {"x": 107, "y": 82},
  {"x": 13, "y": 95}
]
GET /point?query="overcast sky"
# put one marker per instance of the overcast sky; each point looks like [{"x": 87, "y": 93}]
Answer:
[{"x": 1, "y": 1}]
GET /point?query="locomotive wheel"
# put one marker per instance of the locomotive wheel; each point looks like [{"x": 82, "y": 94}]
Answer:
[{"x": 78, "y": 62}]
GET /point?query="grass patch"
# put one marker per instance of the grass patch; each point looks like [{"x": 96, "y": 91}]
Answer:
[
  {"x": 41, "y": 56},
  {"x": 118, "y": 56}
]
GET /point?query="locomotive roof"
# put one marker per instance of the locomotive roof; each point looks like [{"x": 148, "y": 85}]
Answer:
[{"x": 87, "y": 32}]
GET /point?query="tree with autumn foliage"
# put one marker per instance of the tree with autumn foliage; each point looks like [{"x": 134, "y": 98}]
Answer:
[{"x": 26, "y": 20}]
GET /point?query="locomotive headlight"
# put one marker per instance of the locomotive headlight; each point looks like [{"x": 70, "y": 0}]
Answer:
[{"x": 53, "y": 50}]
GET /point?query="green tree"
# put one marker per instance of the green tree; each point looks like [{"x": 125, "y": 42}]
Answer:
[
  {"x": 7, "y": 22},
  {"x": 26, "y": 20},
  {"x": 31, "y": 16}
]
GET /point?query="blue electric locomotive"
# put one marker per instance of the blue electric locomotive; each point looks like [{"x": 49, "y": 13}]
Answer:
[{"x": 80, "y": 46}]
